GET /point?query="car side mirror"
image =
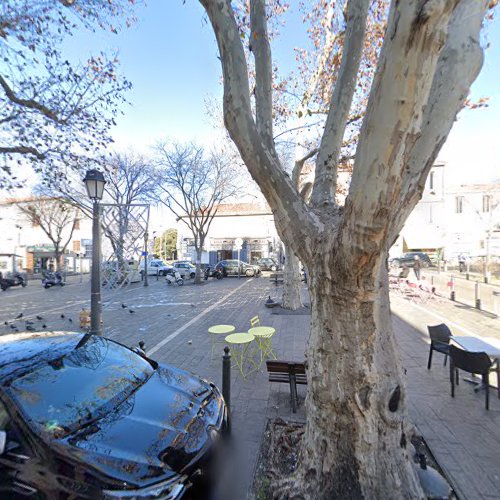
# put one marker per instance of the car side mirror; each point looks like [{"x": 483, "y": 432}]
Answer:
[
  {"x": 3, "y": 442},
  {"x": 140, "y": 349}
]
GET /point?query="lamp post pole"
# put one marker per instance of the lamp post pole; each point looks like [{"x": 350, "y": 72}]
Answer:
[
  {"x": 95, "y": 286},
  {"x": 146, "y": 259},
  {"x": 94, "y": 183}
]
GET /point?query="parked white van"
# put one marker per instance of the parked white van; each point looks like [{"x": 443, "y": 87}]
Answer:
[{"x": 155, "y": 266}]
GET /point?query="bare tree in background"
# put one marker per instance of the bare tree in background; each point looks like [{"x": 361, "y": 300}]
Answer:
[
  {"x": 129, "y": 181},
  {"x": 56, "y": 218},
  {"x": 192, "y": 184}
]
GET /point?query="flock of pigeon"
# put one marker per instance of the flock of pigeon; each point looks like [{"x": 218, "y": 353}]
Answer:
[{"x": 32, "y": 326}]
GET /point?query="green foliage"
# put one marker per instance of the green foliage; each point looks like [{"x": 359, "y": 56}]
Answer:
[{"x": 165, "y": 244}]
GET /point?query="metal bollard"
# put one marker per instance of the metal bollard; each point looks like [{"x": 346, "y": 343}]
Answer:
[
  {"x": 476, "y": 294},
  {"x": 496, "y": 295},
  {"x": 452, "y": 294},
  {"x": 226, "y": 381}
]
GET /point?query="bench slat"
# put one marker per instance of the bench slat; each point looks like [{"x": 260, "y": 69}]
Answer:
[{"x": 289, "y": 372}]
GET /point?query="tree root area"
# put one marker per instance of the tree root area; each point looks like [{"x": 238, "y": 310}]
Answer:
[{"x": 278, "y": 461}]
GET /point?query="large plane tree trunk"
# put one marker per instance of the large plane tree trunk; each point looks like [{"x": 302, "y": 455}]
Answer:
[
  {"x": 292, "y": 284},
  {"x": 354, "y": 444},
  {"x": 355, "y": 441}
]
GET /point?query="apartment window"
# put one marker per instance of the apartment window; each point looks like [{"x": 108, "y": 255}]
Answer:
[
  {"x": 76, "y": 246},
  {"x": 486, "y": 203},
  {"x": 77, "y": 224},
  {"x": 431, "y": 181},
  {"x": 459, "y": 204}
]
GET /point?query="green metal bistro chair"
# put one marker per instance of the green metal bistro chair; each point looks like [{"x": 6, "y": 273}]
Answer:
[
  {"x": 216, "y": 332},
  {"x": 263, "y": 336}
]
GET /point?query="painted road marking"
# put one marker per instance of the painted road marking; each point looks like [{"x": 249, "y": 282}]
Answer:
[{"x": 194, "y": 320}]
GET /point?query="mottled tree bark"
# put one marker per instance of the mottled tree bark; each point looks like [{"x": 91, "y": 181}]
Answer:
[
  {"x": 355, "y": 444},
  {"x": 292, "y": 284}
]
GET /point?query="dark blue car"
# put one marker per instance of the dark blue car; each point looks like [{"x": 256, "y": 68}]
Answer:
[{"x": 82, "y": 416}]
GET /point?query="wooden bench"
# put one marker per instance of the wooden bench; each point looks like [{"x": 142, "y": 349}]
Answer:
[
  {"x": 276, "y": 278},
  {"x": 290, "y": 372}
]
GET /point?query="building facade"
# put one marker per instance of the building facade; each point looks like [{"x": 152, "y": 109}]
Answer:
[
  {"x": 24, "y": 246},
  {"x": 253, "y": 223},
  {"x": 449, "y": 221}
]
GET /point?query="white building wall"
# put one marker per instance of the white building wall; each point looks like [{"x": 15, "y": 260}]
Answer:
[
  {"x": 256, "y": 229},
  {"x": 436, "y": 226},
  {"x": 18, "y": 236}
]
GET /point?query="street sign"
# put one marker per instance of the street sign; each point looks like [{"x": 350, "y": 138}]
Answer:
[
  {"x": 238, "y": 242},
  {"x": 144, "y": 254}
]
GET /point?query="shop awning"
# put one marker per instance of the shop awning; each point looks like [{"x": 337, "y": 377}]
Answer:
[{"x": 423, "y": 240}]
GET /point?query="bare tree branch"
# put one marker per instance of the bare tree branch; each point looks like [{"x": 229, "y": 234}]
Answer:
[
  {"x": 28, "y": 103},
  {"x": 449, "y": 91},
  {"x": 259, "y": 45},
  {"x": 394, "y": 121},
  {"x": 291, "y": 213},
  {"x": 23, "y": 150},
  {"x": 325, "y": 183}
]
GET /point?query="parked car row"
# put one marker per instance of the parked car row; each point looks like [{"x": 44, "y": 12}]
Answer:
[
  {"x": 234, "y": 267},
  {"x": 408, "y": 260},
  {"x": 227, "y": 267}
]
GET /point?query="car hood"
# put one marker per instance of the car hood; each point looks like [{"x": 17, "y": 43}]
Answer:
[{"x": 159, "y": 431}]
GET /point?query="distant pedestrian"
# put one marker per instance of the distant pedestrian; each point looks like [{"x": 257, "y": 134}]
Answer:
[
  {"x": 461, "y": 262},
  {"x": 417, "y": 265}
]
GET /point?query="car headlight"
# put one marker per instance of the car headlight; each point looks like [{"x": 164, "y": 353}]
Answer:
[
  {"x": 214, "y": 434},
  {"x": 166, "y": 490}
]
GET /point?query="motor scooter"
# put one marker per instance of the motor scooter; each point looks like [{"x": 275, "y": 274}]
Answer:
[
  {"x": 15, "y": 280},
  {"x": 215, "y": 273},
  {"x": 52, "y": 279},
  {"x": 174, "y": 277}
]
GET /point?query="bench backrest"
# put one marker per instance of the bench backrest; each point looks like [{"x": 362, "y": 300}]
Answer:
[
  {"x": 255, "y": 321},
  {"x": 285, "y": 367}
]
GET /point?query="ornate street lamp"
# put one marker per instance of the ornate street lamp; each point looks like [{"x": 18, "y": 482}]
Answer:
[{"x": 94, "y": 182}]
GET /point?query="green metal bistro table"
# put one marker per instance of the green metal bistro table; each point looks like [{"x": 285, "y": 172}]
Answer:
[
  {"x": 242, "y": 351},
  {"x": 217, "y": 330},
  {"x": 263, "y": 336}
]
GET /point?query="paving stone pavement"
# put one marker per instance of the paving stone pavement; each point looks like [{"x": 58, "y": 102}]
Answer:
[{"x": 462, "y": 435}]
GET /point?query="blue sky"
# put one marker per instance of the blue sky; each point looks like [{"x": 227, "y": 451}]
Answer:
[{"x": 170, "y": 56}]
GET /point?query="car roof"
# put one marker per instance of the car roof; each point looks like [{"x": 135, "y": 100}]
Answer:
[{"x": 22, "y": 351}]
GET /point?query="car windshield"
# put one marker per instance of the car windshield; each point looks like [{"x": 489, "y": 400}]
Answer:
[{"x": 63, "y": 394}]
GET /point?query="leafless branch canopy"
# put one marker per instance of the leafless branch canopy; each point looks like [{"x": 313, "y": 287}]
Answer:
[{"x": 193, "y": 183}]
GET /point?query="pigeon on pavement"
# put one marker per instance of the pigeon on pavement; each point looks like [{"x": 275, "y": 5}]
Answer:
[
  {"x": 39, "y": 318},
  {"x": 124, "y": 306},
  {"x": 131, "y": 311},
  {"x": 20, "y": 315},
  {"x": 62, "y": 316}
]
